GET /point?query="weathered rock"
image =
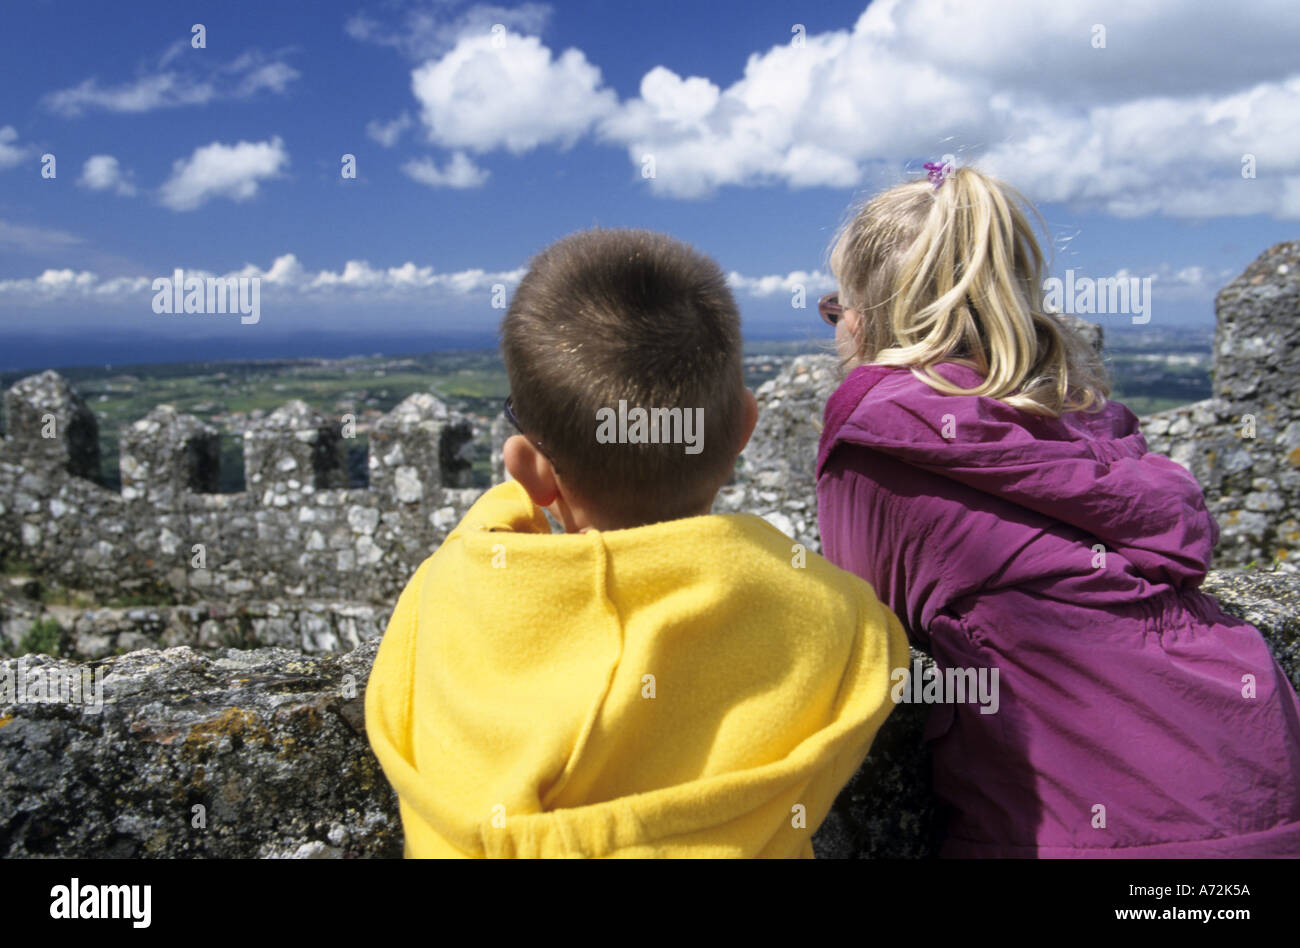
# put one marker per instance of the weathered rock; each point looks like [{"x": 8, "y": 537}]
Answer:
[
  {"x": 167, "y": 453},
  {"x": 1257, "y": 338},
  {"x": 271, "y": 743},
  {"x": 293, "y": 451},
  {"x": 1243, "y": 444},
  {"x": 295, "y": 533},
  {"x": 888, "y": 810},
  {"x": 1268, "y": 601},
  {"x": 416, "y": 447},
  {"x": 775, "y": 475},
  {"x": 50, "y": 425},
  {"x": 308, "y": 626},
  {"x": 232, "y": 754}
]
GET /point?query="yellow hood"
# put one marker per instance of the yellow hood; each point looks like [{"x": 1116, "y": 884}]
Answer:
[{"x": 679, "y": 689}]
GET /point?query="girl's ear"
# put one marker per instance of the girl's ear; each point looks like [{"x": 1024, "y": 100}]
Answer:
[
  {"x": 848, "y": 336},
  {"x": 531, "y": 469},
  {"x": 852, "y": 319}
]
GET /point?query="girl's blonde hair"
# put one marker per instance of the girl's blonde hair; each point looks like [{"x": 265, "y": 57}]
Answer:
[{"x": 954, "y": 274}]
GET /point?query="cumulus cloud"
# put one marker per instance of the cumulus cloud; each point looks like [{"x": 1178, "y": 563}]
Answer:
[
  {"x": 516, "y": 95},
  {"x": 813, "y": 284},
  {"x": 218, "y": 170},
  {"x": 1173, "y": 288},
  {"x": 1178, "y": 284},
  {"x": 286, "y": 279},
  {"x": 1173, "y": 282},
  {"x": 197, "y": 83},
  {"x": 1177, "y": 156},
  {"x": 104, "y": 173},
  {"x": 11, "y": 153},
  {"x": 387, "y": 133},
  {"x": 460, "y": 172},
  {"x": 1157, "y": 120}
]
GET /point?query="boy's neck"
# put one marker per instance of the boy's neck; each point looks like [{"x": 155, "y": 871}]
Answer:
[{"x": 581, "y": 520}]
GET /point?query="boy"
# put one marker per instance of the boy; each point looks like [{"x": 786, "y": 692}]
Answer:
[{"x": 657, "y": 680}]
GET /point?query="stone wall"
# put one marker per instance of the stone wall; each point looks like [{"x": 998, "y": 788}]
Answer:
[
  {"x": 271, "y": 744},
  {"x": 296, "y": 533},
  {"x": 236, "y": 753},
  {"x": 308, "y": 626},
  {"x": 1244, "y": 443}
]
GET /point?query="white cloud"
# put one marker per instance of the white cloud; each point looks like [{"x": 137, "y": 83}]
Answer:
[
  {"x": 217, "y": 170},
  {"x": 103, "y": 173},
  {"x": 677, "y": 101},
  {"x": 274, "y": 77},
  {"x": 387, "y": 133},
  {"x": 426, "y": 33},
  {"x": 285, "y": 279},
  {"x": 1156, "y": 122},
  {"x": 460, "y": 172},
  {"x": 11, "y": 153},
  {"x": 35, "y": 239},
  {"x": 814, "y": 284},
  {"x": 1169, "y": 283},
  {"x": 515, "y": 96},
  {"x": 173, "y": 52},
  {"x": 1181, "y": 157},
  {"x": 196, "y": 84},
  {"x": 164, "y": 90}
]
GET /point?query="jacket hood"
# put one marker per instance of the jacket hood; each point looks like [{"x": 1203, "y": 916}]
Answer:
[
  {"x": 1089, "y": 470},
  {"x": 673, "y": 689}
]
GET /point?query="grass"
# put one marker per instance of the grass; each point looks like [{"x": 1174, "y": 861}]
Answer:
[
  {"x": 45, "y": 636},
  {"x": 469, "y": 381},
  {"x": 242, "y": 636},
  {"x": 62, "y": 596},
  {"x": 1141, "y": 405},
  {"x": 145, "y": 598},
  {"x": 16, "y": 566}
]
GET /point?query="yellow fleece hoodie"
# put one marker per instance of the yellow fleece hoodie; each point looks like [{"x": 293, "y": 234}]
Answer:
[{"x": 678, "y": 689}]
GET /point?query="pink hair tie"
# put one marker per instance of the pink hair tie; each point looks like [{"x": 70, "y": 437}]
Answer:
[{"x": 938, "y": 172}]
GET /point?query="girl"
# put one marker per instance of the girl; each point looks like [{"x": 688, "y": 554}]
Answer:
[{"x": 973, "y": 471}]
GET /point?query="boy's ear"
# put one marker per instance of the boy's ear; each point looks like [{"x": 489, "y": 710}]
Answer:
[
  {"x": 531, "y": 469},
  {"x": 750, "y": 419}
]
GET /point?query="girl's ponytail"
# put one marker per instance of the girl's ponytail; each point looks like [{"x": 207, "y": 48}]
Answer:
[{"x": 953, "y": 273}]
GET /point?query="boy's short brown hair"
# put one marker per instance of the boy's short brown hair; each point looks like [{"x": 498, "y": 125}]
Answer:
[{"x": 632, "y": 315}]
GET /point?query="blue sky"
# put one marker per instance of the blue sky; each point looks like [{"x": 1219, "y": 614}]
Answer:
[{"x": 483, "y": 132}]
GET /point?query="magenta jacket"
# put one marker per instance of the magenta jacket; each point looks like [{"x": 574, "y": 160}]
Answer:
[{"x": 1134, "y": 717}]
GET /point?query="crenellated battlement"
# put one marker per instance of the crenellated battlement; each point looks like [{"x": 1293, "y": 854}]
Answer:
[
  {"x": 296, "y": 531},
  {"x": 51, "y": 427},
  {"x": 166, "y": 454}
]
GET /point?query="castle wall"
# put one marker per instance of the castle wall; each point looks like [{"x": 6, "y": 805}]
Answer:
[
  {"x": 297, "y": 532},
  {"x": 1243, "y": 444}
]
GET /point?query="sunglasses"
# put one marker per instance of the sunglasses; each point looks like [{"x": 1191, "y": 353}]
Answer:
[
  {"x": 510, "y": 417},
  {"x": 830, "y": 308}
]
